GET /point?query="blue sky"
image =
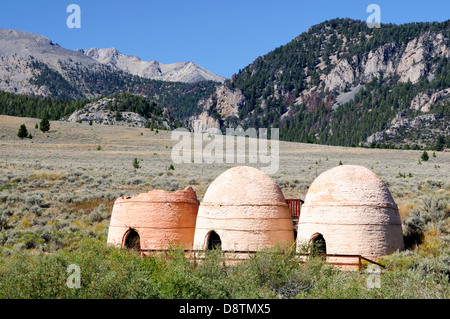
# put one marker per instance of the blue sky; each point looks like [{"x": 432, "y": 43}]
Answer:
[{"x": 222, "y": 36}]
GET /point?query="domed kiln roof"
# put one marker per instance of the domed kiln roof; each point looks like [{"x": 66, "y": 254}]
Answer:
[
  {"x": 187, "y": 195},
  {"x": 244, "y": 185},
  {"x": 348, "y": 185}
]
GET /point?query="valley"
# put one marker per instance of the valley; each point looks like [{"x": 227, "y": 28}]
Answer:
[{"x": 78, "y": 169}]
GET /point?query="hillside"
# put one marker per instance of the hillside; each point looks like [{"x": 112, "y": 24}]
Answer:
[
  {"x": 165, "y": 103},
  {"x": 125, "y": 110},
  {"x": 122, "y": 109},
  {"x": 342, "y": 83}
]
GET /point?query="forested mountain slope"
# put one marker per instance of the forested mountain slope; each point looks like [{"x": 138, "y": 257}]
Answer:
[
  {"x": 338, "y": 83},
  {"x": 343, "y": 83}
]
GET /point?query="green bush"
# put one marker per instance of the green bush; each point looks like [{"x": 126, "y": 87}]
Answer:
[
  {"x": 431, "y": 214},
  {"x": 277, "y": 271},
  {"x": 108, "y": 272}
]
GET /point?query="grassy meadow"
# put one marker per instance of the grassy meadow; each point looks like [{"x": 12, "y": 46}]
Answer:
[{"x": 58, "y": 188}]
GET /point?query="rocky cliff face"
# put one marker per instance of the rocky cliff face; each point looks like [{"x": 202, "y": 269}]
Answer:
[
  {"x": 409, "y": 63},
  {"x": 420, "y": 129},
  {"x": 221, "y": 106},
  {"x": 187, "y": 72}
]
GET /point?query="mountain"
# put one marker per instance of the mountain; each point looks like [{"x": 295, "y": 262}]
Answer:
[
  {"x": 32, "y": 64},
  {"x": 343, "y": 83},
  {"x": 187, "y": 72},
  {"x": 25, "y": 57},
  {"x": 338, "y": 83}
]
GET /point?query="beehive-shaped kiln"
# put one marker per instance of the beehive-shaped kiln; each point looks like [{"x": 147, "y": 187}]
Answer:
[
  {"x": 154, "y": 220},
  {"x": 243, "y": 210},
  {"x": 349, "y": 210}
]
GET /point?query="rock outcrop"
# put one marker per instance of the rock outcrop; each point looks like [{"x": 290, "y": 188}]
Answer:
[
  {"x": 99, "y": 113},
  {"x": 421, "y": 130},
  {"x": 223, "y": 104},
  {"x": 424, "y": 100},
  {"x": 342, "y": 76}
]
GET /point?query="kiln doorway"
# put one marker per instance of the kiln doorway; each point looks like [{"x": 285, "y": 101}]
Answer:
[
  {"x": 319, "y": 245},
  {"x": 132, "y": 239},
  {"x": 214, "y": 241}
]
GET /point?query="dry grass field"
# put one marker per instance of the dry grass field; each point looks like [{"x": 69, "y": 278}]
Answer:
[
  {"x": 59, "y": 188},
  {"x": 71, "y": 149},
  {"x": 73, "y": 173}
]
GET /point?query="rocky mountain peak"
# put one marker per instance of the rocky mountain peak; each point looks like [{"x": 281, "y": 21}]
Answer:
[
  {"x": 187, "y": 72},
  {"x": 34, "y": 65}
]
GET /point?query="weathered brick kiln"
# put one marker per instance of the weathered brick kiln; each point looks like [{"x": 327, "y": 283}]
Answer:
[
  {"x": 154, "y": 220},
  {"x": 349, "y": 210},
  {"x": 243, "y": 210}
]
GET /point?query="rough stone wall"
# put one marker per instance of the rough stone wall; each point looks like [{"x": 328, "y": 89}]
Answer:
[{"x": 160, "y": 218}]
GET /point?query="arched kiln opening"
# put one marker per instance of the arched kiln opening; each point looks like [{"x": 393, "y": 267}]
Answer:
[
  {"x": 132, "y": 239},
  {"x": 319, "y": 245},
  {"x": 214, "y": 241}
]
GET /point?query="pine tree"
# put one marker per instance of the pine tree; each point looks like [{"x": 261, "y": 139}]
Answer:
[
  {"x": 440, "y": 143},
  {"x": 22, "y": 131},
  {"x": 424, "y": 156},
  {"x": 44, "y": 126},
  {"x": 136, "y": 164}
]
